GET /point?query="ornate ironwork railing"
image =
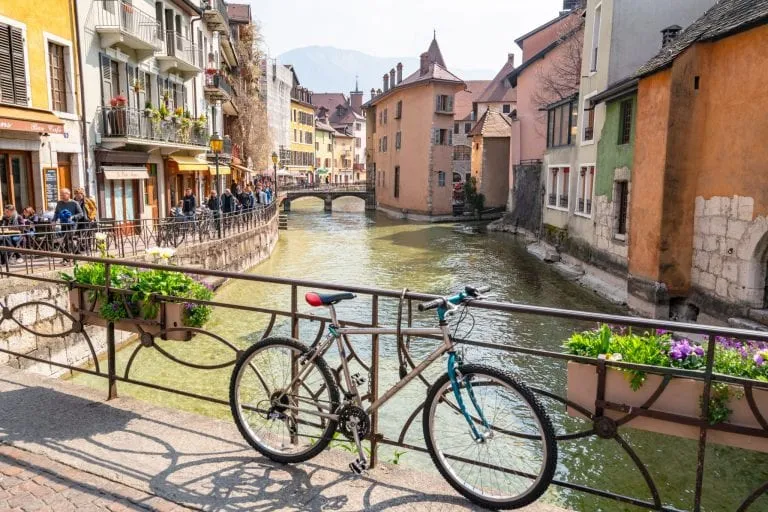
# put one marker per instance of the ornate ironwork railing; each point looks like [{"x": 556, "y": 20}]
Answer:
[
  {"x": 134, "y": 123},
  {"x": 376, "y": 307}
]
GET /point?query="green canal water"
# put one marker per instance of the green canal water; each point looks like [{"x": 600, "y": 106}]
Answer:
[{"x": 350, "y": 246}]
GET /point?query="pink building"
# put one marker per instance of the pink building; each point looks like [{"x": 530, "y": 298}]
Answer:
[{"x": 409, "y": 137}]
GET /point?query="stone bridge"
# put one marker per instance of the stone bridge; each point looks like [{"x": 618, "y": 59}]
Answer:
[{"x": 328, "y": 193}]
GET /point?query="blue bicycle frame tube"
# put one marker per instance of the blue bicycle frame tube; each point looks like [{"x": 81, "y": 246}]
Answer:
[{"x": 457, "y": 393}]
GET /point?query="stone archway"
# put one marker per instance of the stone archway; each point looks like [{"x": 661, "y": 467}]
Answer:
[{"x": 752, "y": 253}]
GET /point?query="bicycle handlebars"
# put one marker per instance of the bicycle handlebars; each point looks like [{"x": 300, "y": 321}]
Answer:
[{"x": 469, "y": 291}]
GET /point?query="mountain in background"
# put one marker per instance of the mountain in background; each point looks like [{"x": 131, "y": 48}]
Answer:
[{"x": 328, "y": 69}]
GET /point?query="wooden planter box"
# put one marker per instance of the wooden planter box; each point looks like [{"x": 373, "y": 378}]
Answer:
[
  {"x": 681, "y": 396},
  {"x": 173, "y": 313}
]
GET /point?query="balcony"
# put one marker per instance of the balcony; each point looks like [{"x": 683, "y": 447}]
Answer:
[
  {"x": 179, "y": 54},
  {"x": 124, "y": 125},
  {"x": 226, "y": 152},
  {"x": 358, "y": 167},
  {"x": 552, "y": 200},
  {"x": 119, "y": 23},
  {"x": 217, "y": 87},
  {"x": 215, "y": 15}
]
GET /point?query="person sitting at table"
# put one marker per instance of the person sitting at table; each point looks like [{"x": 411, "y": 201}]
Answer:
[
  {"x": 68, "y": 213},
  {"x": 30, "y": 216},
  {"x": 11, "y": 219}
]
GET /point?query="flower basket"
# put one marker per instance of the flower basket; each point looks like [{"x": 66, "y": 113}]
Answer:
[
  {"x": 681, "y": 397},
  {"x": 170, "y": 315}
]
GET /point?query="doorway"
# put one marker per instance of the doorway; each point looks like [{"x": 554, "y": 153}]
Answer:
[
  {"x": 150, "y": 191},
  {"x": 16, "y": 180}
]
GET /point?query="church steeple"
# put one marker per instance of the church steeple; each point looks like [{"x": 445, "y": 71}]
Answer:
[{"x": 433, "y": 53}]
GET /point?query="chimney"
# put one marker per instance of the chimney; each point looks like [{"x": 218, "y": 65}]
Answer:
[
  {"x": 373, "y": 93},
  {"x": 356, "y": 100},
  {"x": 392, "y": 77},
  {"x": 424, "y": 64},
  {"x": 669, "y": 34},
  {"x": 386, "y": 82},
  {"x": 511, "y": 59},
  {"x": 399, "y": 72}
]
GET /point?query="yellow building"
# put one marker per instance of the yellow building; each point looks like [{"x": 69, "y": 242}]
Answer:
[
  {"x": 324, "y": 142},
  {"x": 343, "y": 154},
  {"x": 40, "y": 131},
  {"x": 302, "y": 134}
]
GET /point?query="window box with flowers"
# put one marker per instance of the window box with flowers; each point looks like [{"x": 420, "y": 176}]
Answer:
[
  {"x": 642, "y": 399},
  {"x": 135, "y": 307}
]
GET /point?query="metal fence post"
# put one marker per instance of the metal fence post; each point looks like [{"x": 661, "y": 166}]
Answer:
[
  {"x": 111, "y": 352},
  {"x": 705, "y": 418},
  {"x": 374, "y": 380}
]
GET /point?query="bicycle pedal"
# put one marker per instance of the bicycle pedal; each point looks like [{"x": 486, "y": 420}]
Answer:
[
  {"x": 358, "y": 379},
  {"x": 360, "y": 468}
]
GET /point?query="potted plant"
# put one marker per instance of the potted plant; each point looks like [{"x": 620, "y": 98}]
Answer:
[
  {"x": 681, "y": 396},
  {"x": 166, "y": 97},
  {"x": 185, "y": 126},
  {"x": 137, "y": 86},
  {"x": 177, "y": 114},
  {"x": 148, "y": 109}
]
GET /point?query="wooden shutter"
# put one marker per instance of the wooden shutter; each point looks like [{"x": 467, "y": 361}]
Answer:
[
  {"x": 450, "y": 137},
  {"x": 130, "y": 72},
  {"x": 450, "y": 104},
  {"x": 19, "y": 69},
  {"x": 6, "y": 73},
  {"x": 106, "y": 79}
]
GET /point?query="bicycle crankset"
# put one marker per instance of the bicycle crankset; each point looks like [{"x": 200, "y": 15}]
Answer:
[{"x": 353, "y": 418}]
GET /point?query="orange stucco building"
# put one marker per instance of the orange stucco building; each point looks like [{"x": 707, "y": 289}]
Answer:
[
  {"x": 699, "y": 239},
  {"x": 409, "y": 139}
]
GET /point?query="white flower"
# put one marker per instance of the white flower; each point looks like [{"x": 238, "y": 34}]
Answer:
[
  {"x": 167, "y": 253},
  {"x": 101, "y": 237},
  {"x": 154, "y": 251}
]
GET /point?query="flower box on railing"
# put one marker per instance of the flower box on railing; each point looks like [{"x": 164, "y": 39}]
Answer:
[
  {"x": 169, "y": 316},
  {"x": 682, "y": 397}
]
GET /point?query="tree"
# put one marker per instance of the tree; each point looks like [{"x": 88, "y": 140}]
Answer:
[
  {"x": 560, "y": 79},
  {"x": 250, "y": 129}
]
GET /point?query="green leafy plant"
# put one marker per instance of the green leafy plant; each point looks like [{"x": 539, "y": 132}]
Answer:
[
  {"x": 719, "y": 398},
  {"x": 397, "y": 455}
]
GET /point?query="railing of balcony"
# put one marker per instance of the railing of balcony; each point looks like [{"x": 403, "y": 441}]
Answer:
[
  {"x": 220, "y": 82},
  {"x": 127, "y": 17},
  {"x": 217, "y": 5},
  {"x": 148, "y": 125},
  {"x": 552, "y": 199},
  {"x": 176, "y": 45}
]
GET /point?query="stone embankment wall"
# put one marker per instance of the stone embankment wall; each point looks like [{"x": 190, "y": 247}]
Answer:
[{"x": 35, "y": 321}]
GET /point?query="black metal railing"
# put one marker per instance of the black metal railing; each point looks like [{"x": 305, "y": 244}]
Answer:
[
  {"x": 563, "y": 201},
  {"x": 128, "y": 18},
  {"x": 148, "y": 125},
  {"x": 589, "y": 207},
  {"x": 596, "y": 432},
  {"x": 552, "y": 199},
  {"x": 218, "y": 81},
  {"x": 126, "y": 238},
  {"x": 180, "y": 47}
]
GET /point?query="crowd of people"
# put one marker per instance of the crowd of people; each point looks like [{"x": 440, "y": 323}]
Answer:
[{"x": 238, "y": 197}]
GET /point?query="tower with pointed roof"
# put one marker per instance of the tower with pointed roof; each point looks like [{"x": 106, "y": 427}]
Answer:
[{"x": 409, "y": 138}]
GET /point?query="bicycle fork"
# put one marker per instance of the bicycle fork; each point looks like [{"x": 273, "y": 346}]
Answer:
[{"x": 454, "y": 374}]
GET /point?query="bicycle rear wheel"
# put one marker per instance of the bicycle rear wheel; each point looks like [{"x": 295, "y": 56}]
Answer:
[
  {"x": 265, "y": 408},
  {"x": 514, "y": 462}
]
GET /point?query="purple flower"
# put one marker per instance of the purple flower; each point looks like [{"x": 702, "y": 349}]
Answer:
[
  {"x": 661, "y": 332},
  {"x": 758, "y": 359},
  {"x": 698, "y": 351}
]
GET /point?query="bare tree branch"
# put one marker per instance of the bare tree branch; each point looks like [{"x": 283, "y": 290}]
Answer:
[{"x": 561, "y": 78}]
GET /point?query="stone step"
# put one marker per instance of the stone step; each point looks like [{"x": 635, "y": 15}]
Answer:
[
  {"x": 544, "y": 252},
  {"x": 745, "y": 323},
  {"x": 759, "y": 315}
]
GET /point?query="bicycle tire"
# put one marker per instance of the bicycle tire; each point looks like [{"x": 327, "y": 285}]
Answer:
[
  {"x": 234, "y": 400},
  {"x": 549, "y": 462}
]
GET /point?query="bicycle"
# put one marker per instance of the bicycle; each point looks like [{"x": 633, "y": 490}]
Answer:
[{"x": 486, "y": 432}]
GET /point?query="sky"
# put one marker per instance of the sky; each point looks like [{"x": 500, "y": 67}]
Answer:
[{"x": 473, "y": 34}]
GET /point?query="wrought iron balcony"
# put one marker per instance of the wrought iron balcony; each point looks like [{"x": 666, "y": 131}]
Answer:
[
  {"x": 119, "y": 23},
  {"x": 179, "y": 53},
  {"x": 589, "y": 207},
  {"x": 217, "y": 87},
  {"x": 563, "y": 201},
  {"x": 552, "y": 200},
  {"x": 215, "y": 15},
  {"x": 147, "y": 128},
  {"x": 580, "y": 206}
]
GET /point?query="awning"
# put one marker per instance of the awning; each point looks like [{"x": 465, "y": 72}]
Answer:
[
  {"x": 30, "y": 120},
  {"x": 241, "y": 168},
  {"x": 189, "y": 164},
  {"x": 322, "y": 171},
  {"x": 223, "y": 170},
  {"x": 124, "y": 172}
]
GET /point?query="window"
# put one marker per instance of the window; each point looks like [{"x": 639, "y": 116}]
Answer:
[
  {"x": 295, "y": 137},
  {"x": 358, "y": 142},
  {"x": 330, "y": 147},
  {"x": 622, "y": 194},
  {"x": 506, "y": 109},
  {"x": 589, "y": 122},
  {"x": 467, "y": 127},
  {"x": 399, "y": 110},
  {"x": 442, "y": 137},
  {"x": 561, "y": 123},
  {"x": 625, "y": 122},
  {"x": 584, "y": 189},
  {"x": 58, "y": 78},
  {"x": 440, "y": 178},
  {"x": 398, "y": 140},
  {"x": 462, "y": 153},
  {"x": 557, "y": 187},
  {"x": 381, "y": 117},
  {"x": 595, "y": 38},
  {"x": 456, "y": 128},
  {"x": 384, "y": 144},
  {"x": 397, "y": 181},
  {"x": 317, "y": 146},
  {"x": 13, "y": 71},
  {"x": 385, "y": 115},
  {"x": 358, "y": 126},
  {"x": 444, "y": 103},
  {"x": 294, "y": 115},
  {"x": 308, "y": 137}
]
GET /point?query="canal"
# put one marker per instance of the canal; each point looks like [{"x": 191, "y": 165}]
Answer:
[{"x": 350, "y": 246}]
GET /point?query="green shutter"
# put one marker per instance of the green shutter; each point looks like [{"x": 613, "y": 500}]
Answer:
[{"x": 19, "y": 69}]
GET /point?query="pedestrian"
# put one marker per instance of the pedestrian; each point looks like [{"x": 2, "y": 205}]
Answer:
[
  {"x": 262, "y": 196},
  {"x": 249, "y": 197},
  {"x": 189, "y": 204},
  {"x": 213, "y": 202},
  {"x": 228, "y": 202},
  {"x": 11, "y": 219},
  {"x": 233, "y": 188},
  {"x": 68, "y": 213},
  {"x": 87, "y": 223}
]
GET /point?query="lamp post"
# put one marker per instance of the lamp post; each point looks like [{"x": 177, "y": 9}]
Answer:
[
  {"x": 274, "y": 167},
  {"x": 217, "y": 145}
]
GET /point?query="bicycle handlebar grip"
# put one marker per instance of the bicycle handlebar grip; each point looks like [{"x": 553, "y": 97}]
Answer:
[
  {"x": 483, "y": 289},
  {"x": 424, "y": 306}
]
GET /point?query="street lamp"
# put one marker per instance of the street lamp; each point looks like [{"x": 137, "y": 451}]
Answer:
[
  {"x": 217, "y": 145},
  {"x": 274, "y": 166}
]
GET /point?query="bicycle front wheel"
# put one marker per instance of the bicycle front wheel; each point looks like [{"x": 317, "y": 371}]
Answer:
[
  {"x": 284, "y": 422},
  {"x": 507, "y": 458}
]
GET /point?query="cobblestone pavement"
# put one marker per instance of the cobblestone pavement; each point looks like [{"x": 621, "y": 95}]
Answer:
[{"x": 30, "y": 482}]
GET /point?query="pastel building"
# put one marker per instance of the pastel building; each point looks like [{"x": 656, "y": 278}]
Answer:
[
  {"x": 302, "y": 147},
  {"x": 275, "y": 89},
  {"x": 325, "y": 136},
  {"x": 40, "y": 104},
  {"x": 410, "y": 139}
]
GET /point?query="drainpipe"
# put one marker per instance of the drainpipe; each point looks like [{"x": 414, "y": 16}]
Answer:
[
  {"x": 200, "y": 52},
  {"x": 84, "y": 124}
]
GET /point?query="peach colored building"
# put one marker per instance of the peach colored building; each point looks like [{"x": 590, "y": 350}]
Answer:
[
  {"x": 699, "y": 230},
  {"x": 409, "y": 139}
]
